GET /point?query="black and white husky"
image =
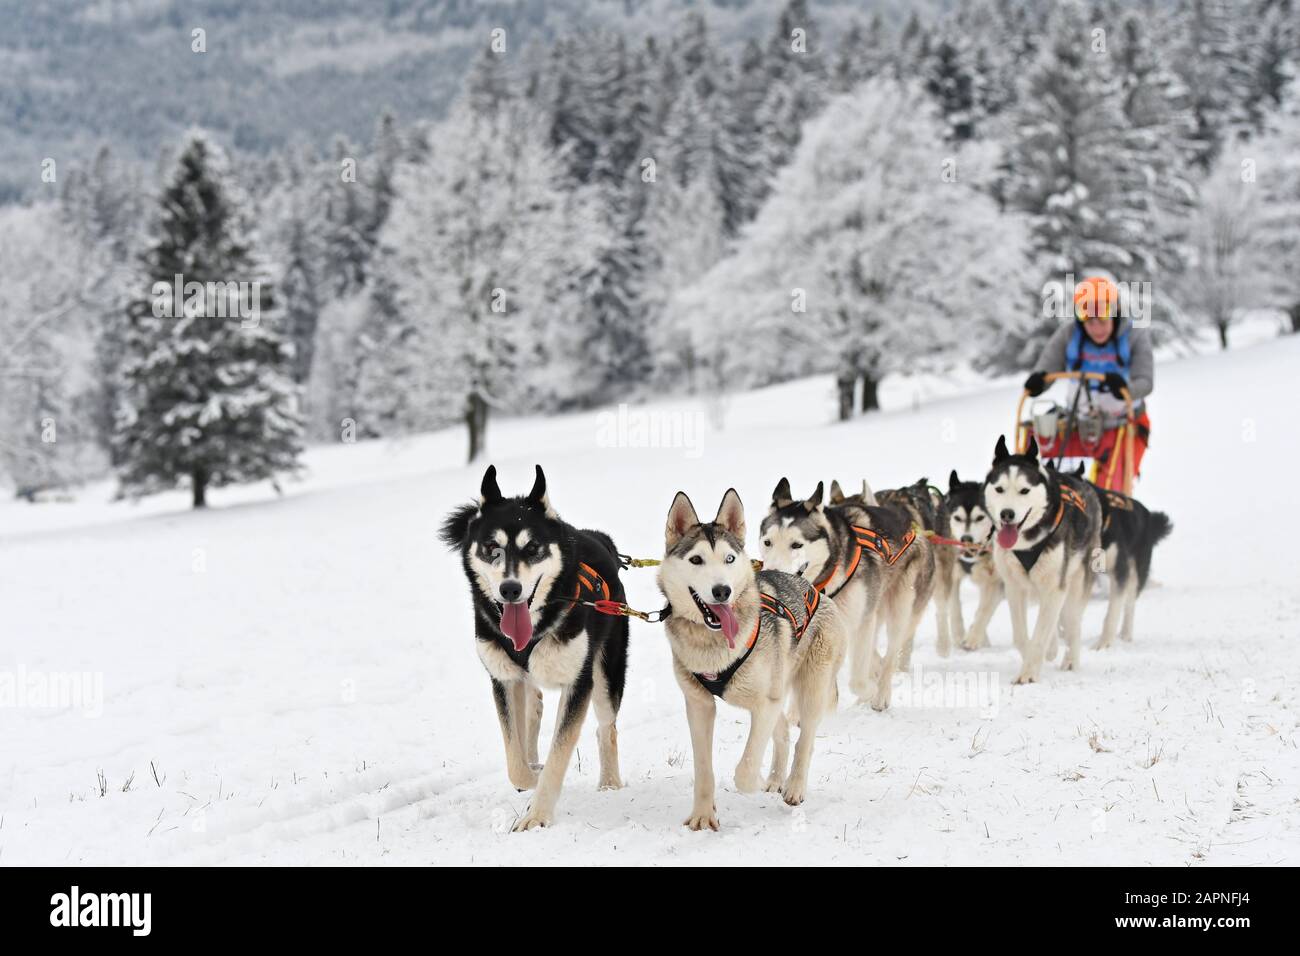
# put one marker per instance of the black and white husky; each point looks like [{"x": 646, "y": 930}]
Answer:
[
  {"x": 1129, "y": 533},
  {"x": 1047, "y": 545},
  {"x": 527, "y": 572},
  {"x": 971, "y": 524}
]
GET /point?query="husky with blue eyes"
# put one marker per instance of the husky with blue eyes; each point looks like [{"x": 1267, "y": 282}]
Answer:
[
  {"x": 1046, "y": 545},
  {"x": 532, "y": 577},
  {"x": 750, "y": 639}
]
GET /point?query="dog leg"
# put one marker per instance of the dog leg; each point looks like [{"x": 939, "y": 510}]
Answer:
[
  {"x": 862, "y": 653},
  {"x": 978, "y": 635},
  {"x": 700, "y": 711},
  {"x": 956, "y": 626},
  {"x": 896, "y": 633},
  {"x": 780, "y": 752},
  {"x": 1018, "y": 605},
  {"x": 813, "y": 693},
  {"x": 606, "y": 708},
  {"x": 509, "y": 699},
  {"x": 1130, "y": 604},
  {"x": 533, "y": 712},
  {"x": 1114, "y": 604},
  {"x": 943, "y": 590},
  {"x": 1049, "y": 618},
  {"x": 1072, "y": 619},
  {"x": 568, "y": 725},
  {"x": 762, "y": 721}
]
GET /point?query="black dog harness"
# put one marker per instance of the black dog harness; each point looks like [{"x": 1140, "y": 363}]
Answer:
[
  {"x": 716, "y": 684},
  {"x": 1029, "y": 557}
]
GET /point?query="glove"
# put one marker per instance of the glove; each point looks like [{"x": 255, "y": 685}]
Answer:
[
  {"x": 1115, "y": 384},
  {"x": 1036, "y": 384}
]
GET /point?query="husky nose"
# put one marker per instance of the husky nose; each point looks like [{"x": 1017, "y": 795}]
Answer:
[
  {"x": 511, "y": 591},
  {"x": 721, "y": 592},
  {"x": 1007, "y": 515},
  {"x": 966, "y": 539}
]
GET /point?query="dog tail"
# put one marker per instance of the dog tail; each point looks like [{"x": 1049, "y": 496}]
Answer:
[
  {"x": 455, "y": 527},
  {"x": 1158, "y": 528}
]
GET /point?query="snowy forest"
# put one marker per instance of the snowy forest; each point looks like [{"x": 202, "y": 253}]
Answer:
[{"x": 610, "y": 215}]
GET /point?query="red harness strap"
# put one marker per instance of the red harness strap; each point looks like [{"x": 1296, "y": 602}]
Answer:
[{"x": 873, "y": 541}]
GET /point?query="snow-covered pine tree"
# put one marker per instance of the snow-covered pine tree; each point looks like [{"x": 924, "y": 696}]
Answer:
[
  {"x": 1211, "y": 54},
  {"x": 950, "y": 79},
  {"x": 798, "y": 69},
  {"x": 1074, "y": 168},
  {"x": 347, "y": 206},
  {"x": 206, "y": 401}
]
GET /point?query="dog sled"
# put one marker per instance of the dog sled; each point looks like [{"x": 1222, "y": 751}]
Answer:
[{"x": 1080, "y": 433}]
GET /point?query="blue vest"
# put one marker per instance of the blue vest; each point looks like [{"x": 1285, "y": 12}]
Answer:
[{"x": 1082, "y": 354}]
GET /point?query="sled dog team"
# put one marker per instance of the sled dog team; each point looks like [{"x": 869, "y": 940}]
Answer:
[{"x": 834, "y": 573}]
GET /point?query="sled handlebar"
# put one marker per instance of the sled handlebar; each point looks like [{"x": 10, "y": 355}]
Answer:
[{"x": 1128, "y": 431}]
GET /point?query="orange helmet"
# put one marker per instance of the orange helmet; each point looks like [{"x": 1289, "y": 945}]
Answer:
[{"x": 1096, "y": 297}]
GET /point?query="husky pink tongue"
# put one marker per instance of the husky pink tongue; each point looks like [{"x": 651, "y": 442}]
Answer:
[
  {"x": 1008, "y": 535},
  {"x": 517, "y": 624},
  {"x": 727, "y": 618}
]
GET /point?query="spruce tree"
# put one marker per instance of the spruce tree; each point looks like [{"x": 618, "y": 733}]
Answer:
[{"x": 206, "y": 400}]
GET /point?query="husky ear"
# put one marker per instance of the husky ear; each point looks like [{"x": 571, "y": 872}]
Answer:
[
  {"x": 1032, "y": 450},
  {"x": 781, "y": 495},
  {"x": 490, "y": 492},
  {"x": 1078, "y": 472},
  {"x": 818, "y": 496},
  {"x": 953, "y": 481},
  {"x": 681, "y": 519},
  {"x": 837, "y": 493},
  {"x": 731, "y": 514},
  {"x": 538, "y": 497},
  {"x": 869, "y": 496},
  {"x": 1000, "y": 451}
]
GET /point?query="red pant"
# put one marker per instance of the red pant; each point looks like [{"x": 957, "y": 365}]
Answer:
[{"x": 1105, "y": 452}]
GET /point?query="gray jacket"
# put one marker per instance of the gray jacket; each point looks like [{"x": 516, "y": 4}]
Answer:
[{"x": 1141, "y": 368}]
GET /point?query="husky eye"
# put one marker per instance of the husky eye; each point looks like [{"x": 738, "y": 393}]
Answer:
[
  {"x": 1024, "y": 491},
  {"x": 767, "y": 544},
  {"x": 696, "y": 559},
  {"x": 796, "y": 546},
  {"x": 998, "y": 489},
  {"x": 531, "y": 549},
  {"x": 731, "y": 559}
]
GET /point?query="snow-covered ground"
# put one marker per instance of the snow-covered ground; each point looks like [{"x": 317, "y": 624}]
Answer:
[{"x": 293, "y": 680}]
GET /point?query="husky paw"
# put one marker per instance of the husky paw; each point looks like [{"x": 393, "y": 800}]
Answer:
[
  {"x": 614, "y": 784},
  {"x": 793, "y": 791},
  {"x": 746, "y": 782},
  {"x": 944, "y": 650},
  {"x": 1025, "y": 677},
  {"x": 533, "y": 819},
  {"x": 881, "y": 699},
  {"x": 861, "y": 687},
  {"x": 1050, "y": 653},
  {"x": 773, "y": 785},
  {"x": 1103, "y": 644},
  {"x": 701, "y": 819},
  {"x": 1068, "y": 663},
  {"x": 974, "y": 641}
]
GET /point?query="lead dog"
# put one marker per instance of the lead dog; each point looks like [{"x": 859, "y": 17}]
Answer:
[
  {"x": 527, "y": 571},
  {"x": 1047, "y": 545},
  {"x": 750, "y": 639},
  {"x": 871, "y": 560}
]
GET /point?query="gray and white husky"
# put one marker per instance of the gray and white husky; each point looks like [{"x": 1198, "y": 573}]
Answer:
[
  {"x": 750, "y": 639},
  {"x": 1047, "y": 545},
  {"x": 870, "y": 559}
]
